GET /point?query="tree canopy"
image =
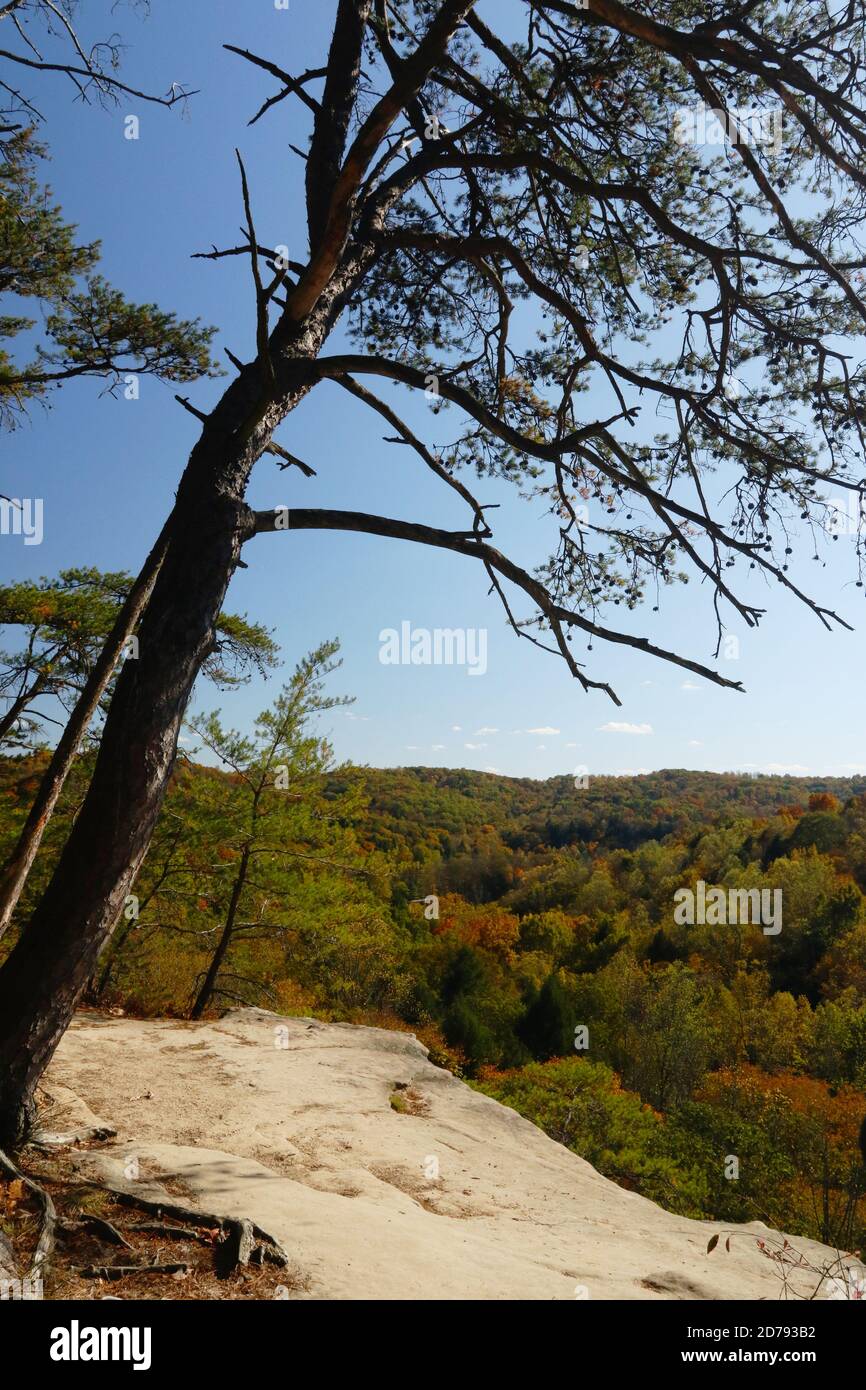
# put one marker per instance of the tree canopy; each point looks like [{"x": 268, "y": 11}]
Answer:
[
  {"x": 692, "y": 393},
  {"x": 63, "y": 624}
]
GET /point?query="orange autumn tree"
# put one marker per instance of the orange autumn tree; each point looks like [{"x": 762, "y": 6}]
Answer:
[
  {"x": 814, "y": 1126},
  {"x": 482, "y": 926}
]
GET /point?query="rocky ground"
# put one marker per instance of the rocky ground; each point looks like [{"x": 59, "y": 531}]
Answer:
[{"x": 381, "y": 1175}]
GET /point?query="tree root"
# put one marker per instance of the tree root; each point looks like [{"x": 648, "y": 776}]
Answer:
[
  {"x": 243, "y": 1241},
  {"x": 162, "y": 1228},
  {"x": 124, "y": 1271},
  {"x": 45, "y": 1243},
  {"x": 100, "y": 1226},
  {"x": 240, "y": 1241},
  {"x": 48, "y": 1142}
]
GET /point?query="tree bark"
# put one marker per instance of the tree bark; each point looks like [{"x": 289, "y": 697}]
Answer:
[
  {"x": 54, "y": 958},
  {"x": 51, "y": 964},
  {"x": 21, "y": 860}
]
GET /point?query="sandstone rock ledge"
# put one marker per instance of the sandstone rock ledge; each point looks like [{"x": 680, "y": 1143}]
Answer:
[{"x": 330, "y": 1137}]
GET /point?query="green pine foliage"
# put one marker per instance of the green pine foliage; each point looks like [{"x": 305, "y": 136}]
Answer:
[
  {"x": 84, "y": 327},
  {"x": 58, "y": 627}
]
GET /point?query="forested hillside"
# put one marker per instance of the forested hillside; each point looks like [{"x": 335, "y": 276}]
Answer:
[
  {"x": 526, "y": 932},
  {"x": 420, "y": 814}
]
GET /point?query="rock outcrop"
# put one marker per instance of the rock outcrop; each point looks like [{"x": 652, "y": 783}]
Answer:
[{"x": 382, "y": 1175}]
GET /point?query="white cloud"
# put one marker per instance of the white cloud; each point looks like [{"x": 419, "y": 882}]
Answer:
[
  {"x": 572, "y": 745},
  {"x": 485, "y": 730},
  {"x": 492, "y": 769},
  {"x": 689, "y": 685},
  {"x": 617, "y": 727},
  {"x": 695, "y": 743},
  {"x": 544, "y": 730},
  {"x": 456, "y": 728},
  {"x": 474, "y": 746},
  {"x": 437, "y": 747}
]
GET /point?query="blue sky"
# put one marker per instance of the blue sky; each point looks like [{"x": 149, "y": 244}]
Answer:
[{"x": 107, "y": 470}]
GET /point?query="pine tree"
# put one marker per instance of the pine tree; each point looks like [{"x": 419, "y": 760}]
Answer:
[
  {"x": 64, "y": 626},
  {"x": 452, "y": 173}
]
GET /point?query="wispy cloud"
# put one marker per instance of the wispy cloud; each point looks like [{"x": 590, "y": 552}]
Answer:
[
  {"x": 545, "y": 729},
  {"x": 617, "y": 727}
]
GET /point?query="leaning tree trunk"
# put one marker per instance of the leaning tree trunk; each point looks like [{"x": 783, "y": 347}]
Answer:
[
  {"x": 51, "y": 964},
  {"x": 20, "y": 862},
  {"x": 19, "y": 705},
  {"x": 53, "y": 960},
  {"x": 213, "y": 969}
]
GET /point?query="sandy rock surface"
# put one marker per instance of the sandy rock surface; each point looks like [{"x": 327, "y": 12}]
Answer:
[{"x": 383, "y": 1176}]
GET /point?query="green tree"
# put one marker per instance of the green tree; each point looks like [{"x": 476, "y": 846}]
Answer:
[
  {"x": 88, "y": 328},
  {"x": 820, "y": 908},
  {"x": 462, "y": 1028},
  {"x": 547, "y": 1027},
  {"x": 278, "y": 820},
  {"x": 581, "y": 1104},
  {"x": 62, "y": 625},
  {"x": 654, "y": 1026},
  {"x": 65, "y": 627},
  {"x": 839, "y": 1050}
]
